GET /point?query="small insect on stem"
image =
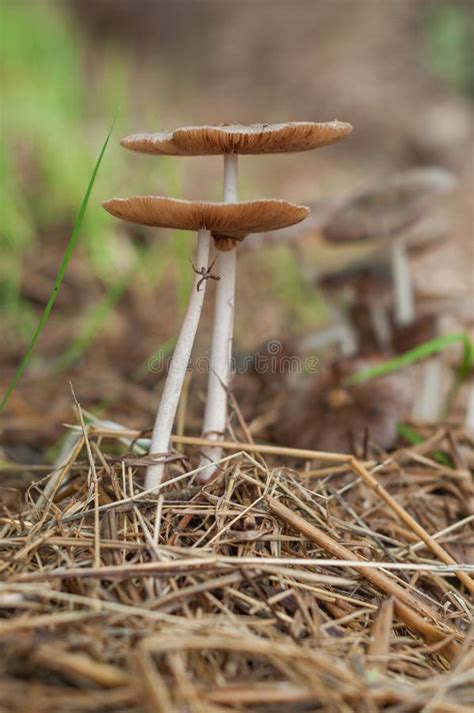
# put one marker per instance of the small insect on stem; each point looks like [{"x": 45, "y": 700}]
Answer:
[{"x": 205, "y": 274}]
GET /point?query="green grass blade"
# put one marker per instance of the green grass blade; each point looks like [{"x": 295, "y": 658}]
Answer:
[
  {"x": 59, "y": 278},
  {"x": 417, "y": 354}
]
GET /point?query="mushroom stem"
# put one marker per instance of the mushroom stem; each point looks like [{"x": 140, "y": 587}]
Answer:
[
  {"x": 469, "y": 421},
  {"x": 402, "y": 284},
  {"x": 345, "y": 334},
  {"x": 231, "y": 164},
  {"x": 347, "y": 340},
  {"x": 215, "y": 416},
  {"x": 380, "y": 325},
  {"x": 160, "y": 440},
  {"x": 429, "y": 406}
]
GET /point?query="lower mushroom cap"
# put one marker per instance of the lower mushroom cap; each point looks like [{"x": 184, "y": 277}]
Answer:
[
  {"x": 239, "y": 138},
  {"x": 228, "y": 220}
]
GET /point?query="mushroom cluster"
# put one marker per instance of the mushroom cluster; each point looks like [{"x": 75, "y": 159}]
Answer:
[
  {"x": 370, "y": 303},
  {"x": 227, "y": 224},
  {"x": 386, "y": 217},
  {"x": 392, "y": 219}
]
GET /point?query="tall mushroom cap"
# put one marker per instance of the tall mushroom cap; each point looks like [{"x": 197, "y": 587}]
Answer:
[
  {"x": 388, "y": 209},
  {"x": 226, "y": 220},
  {"x": 239, "y": 138}
]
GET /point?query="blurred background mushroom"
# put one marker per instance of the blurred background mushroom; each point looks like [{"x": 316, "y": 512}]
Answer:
[
  {"x": 384, "y": 216},
  {"x": 365, "y": 294},
  {"x": 370, "y": 302}
]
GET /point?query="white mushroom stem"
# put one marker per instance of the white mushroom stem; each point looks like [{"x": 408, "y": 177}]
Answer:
[
  {"x": 215, "y": 416},
  {"x": 402, "y": 284},
  {"x": 469, "y": 422},
  {"x": 345, "y": 334},
  {"x": 380, "y": 324},
  {"x": 347, "y": 339},
  {"x": 428, "y": 408},
  {"x": 160, "y": 440}
]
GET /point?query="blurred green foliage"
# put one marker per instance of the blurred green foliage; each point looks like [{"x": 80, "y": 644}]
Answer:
[
  {"x": 450, "y": 40},
  {"x": 28, "y": 355},
  {"x": 54, "y": 113},
  {"x": 47, "y": 152}
]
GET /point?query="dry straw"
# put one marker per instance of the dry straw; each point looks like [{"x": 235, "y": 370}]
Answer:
[{"x": 324, "y": 586}]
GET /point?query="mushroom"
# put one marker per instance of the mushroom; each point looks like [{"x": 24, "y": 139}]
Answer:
[
  {"x": 235, "y": 219},
  {"x": 368, "y": 297},
  {"x": 385, "y": 214},
  {"x": 323, "y": 413},
  {"x": 230, "y": 140},
  {"x": 365, "y": 290}
]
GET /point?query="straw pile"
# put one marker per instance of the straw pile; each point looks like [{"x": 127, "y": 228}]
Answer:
[{"x": 292, "y": 582}]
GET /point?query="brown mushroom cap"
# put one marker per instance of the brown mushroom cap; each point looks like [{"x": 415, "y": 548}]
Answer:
[
  {"x": 239, "y": 138},
  {"x": 227, "y": 220},
  {"x": 389, "y": 209}
]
